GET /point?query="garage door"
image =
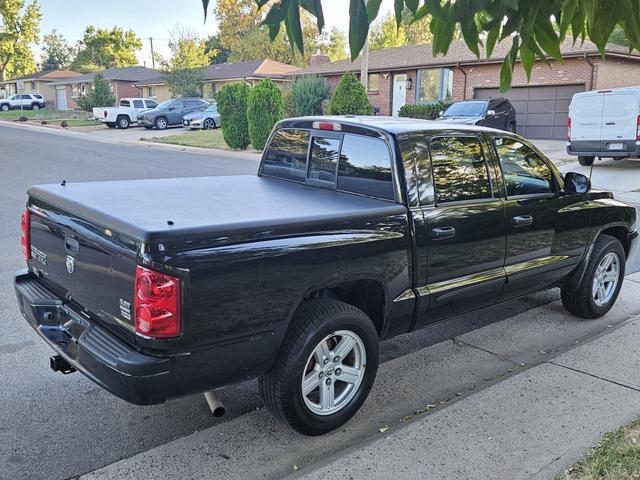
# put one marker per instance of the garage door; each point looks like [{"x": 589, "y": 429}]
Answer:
[
  {"x": 541, "y": 112},
  {"x": 61, "y": 98}
]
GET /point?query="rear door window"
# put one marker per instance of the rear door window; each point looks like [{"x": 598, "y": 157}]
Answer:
[
  {"x": 286, "y": 156},
  {"x": 365, "y": 167},
  {"x": 138, "y": 104},
  {"x": 324, "y": 159},
  {"x": 459, "y": 169}
]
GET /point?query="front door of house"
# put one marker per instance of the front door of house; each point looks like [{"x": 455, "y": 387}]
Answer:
[
  {"x": 61, "y": 98},
  {"x": 399, "y": 92}
]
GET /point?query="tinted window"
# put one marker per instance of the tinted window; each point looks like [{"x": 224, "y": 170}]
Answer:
[
  {"x": 286, "y": 156},
  {"x": 39, "y": 97},
  {"x": 423, "y": 168},
  {"x": 25, "y": 97},
  {"x": 125, "y": 103},
  {"x": 193, "y": 103},
  {"x": 365, "y": 167},
  {"x": 151, "y": 104},
  {"x": 459, "y": 169},
  {"x": 138, "y": 104},
  {"x": 524, "y": 172},
  {"x": 324, "y": 159},
  {"x": 465, "y": 109},
  {"x": 178, "y": 105}
]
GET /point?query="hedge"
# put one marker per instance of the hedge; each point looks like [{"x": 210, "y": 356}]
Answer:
[
  {"x": 232, "y": 106},
  {"x": 429, "y": 111},
  {"x": 350, "y": 98},
  {"x": 264, "y": 109},
  {"x": 308, "y": 95}
]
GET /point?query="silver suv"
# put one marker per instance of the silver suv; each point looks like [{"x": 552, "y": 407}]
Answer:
[{"x": 33, "y": 101}]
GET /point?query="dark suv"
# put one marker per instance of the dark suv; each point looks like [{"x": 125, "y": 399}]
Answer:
[
  {"x": 171, "y": 112},
  {"x": 494, "y": 112}
]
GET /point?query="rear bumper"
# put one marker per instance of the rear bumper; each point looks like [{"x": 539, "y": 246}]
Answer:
[
  {"x": 108, "y": 361},
  {"x": 601, "y": 148}
]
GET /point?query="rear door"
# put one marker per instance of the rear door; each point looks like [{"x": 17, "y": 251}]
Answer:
[
  {"x": 586, "y": 116},
  {"x": 620, "y": 119},
  {"x": 465, "y": 227}
]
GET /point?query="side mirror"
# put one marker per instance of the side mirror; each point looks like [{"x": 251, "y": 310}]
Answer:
[
  {"x": 491, "y": 113},
  {"x": 172, "y": 108},
  {"x": 576, "y": 183}
]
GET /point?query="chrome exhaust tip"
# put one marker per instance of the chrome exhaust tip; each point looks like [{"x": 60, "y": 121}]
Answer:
[{"x": 216, "y": 406}]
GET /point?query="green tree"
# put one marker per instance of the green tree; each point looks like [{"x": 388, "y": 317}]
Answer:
[
  {"x": 102, "y": 48},
  {"x": 350, "y": 98},
  {"x": 186, "y": 82},
  {"x": 308, "y": 95},
  {"x": 334, "y": 45},
  {"x": 232, "y": 106},
  {"x": 20, "y": 26},
  {"x": 99, "y": 96},
  {"x": 264, "y": 109},
  {"x": 216, "y": 51},
  {"x": 388, "y": 34},
  {"x": 56, "y": 52},
  {"x": 618, "y": 37},
  {"x": 534, "y": 29},
  {"x": 187, "y": 51}
]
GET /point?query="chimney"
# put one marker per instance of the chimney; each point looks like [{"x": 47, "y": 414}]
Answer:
[{"x": 318, "y": 59}]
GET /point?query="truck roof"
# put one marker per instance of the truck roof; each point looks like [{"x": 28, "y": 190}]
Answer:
[{"x": 385, "y": 123}]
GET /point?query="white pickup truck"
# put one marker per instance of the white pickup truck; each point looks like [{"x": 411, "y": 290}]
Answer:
[{"x": 125, "y": 113}]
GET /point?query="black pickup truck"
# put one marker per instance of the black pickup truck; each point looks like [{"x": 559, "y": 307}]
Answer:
[{"x": 354, "y": 230}]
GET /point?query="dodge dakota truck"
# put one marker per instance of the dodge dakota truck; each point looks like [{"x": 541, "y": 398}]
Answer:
[{"x": 355, "y": 229}]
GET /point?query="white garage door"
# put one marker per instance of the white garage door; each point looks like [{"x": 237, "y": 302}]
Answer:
[
  {"x": 61, "y": 98},
  {"x": 541, "y": 112}
]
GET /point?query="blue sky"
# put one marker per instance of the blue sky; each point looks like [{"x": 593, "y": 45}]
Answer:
[{"x": 151, "y": 18}]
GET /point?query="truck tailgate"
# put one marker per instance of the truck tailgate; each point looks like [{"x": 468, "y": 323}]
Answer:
[{"x": 93, "y": 265}]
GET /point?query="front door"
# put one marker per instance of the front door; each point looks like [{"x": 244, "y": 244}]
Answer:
[
  {"x": 465, "y": 229},
  {"x": 546, "y": 236},
  {"x": 61, "y": 98},
  {"x": 399, "y": 92}
]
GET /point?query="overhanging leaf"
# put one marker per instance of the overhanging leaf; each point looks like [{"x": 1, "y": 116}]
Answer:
[
  {"x": 373, "y": 8},
  {"x": 358, "y": 27},
  {"x": 398, "y": 7}
]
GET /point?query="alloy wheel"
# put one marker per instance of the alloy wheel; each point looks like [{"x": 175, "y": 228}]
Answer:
[
  {"x": 333, "y": 372},
  {"x": 605, "y": 279},
  {"x": 208, "y": 124}
]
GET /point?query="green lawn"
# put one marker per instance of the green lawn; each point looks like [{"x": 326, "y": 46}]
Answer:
[
  {"x": 616, "y": 457},
  {"x": 194, "y": 138},
  {"x": 44, "y": 114}
]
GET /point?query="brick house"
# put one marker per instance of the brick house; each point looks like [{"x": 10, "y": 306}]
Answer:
[
  {"x": 217, "y": 75},
  {"x": 121, "y": 80},
  {"x": 411, "y": 74},
  {"x": 36, "y": 83}
]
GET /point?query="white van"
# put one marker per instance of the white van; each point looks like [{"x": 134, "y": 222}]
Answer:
[{"x": 604, "y": 124}]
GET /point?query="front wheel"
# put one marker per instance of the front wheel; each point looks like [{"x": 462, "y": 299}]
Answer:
[
  {"x": 35, "y": 106},
  {"x": 4, "y": 107},
  {"x": 325, "y": 369},
  {"x": 161, "y": 123},
  {"x": 602, "y": 280},
  {"x": 209, "y": 124},
  {"x": 586, "y": 161}
]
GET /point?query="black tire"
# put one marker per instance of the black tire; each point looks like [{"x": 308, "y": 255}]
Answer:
[
  {"x": 511, "y": 127},
  {"x": 123, "y": 122},
  {"x": 110, "y": 124},
  {"x": 281, "y": 387},
  {"x": 5, "y": 107},
  {"x": 161, "y": 123},
  {"x": 586, "y": 161},
  {"x": 209, "y": 124},
  {"x": 580, "y": 301}
]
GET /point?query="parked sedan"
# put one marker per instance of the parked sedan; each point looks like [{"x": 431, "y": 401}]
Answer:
[
  {"x": 207, "y": 119},
  {"x": 494, "y": 112},
  {"x": 171, "y": 112}
]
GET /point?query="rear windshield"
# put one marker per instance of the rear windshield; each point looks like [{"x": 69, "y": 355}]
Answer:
[
  {"x": 348, "y": 162},
  {"x": 465, "y": 109}
]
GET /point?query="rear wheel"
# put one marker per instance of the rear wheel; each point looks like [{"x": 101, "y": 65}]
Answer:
[
  {"x": 123, "y": 122},
  {"x": 35, "y": 106},
  {"x": 602, "y": 280},
  {"x": 325, "y": 368},
  {"x": 161, "y": 123},
  {"x": 586, "y": 161}
]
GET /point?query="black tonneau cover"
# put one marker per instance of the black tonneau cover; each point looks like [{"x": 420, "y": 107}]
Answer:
[{"x": 160, "y": 209}]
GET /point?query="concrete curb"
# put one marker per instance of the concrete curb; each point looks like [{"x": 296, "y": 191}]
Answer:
[{"x": 255, "y": 156}]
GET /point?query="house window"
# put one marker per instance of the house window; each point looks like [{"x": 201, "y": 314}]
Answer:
[
  {"x": 374, "y": 82},
  {"x": 434, "y": 84},
  {"x": 152, "y": 92},
  {"x": 33, "y": 86},
  {"x": 75, "y": 91}
]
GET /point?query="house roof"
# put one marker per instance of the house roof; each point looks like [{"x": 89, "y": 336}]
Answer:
[
  {"x": 229, "y": 71},
  {"x": 45, "y": 76},
  {"x": 413, "y": 56},
  {"x": 131, "y": 74}
]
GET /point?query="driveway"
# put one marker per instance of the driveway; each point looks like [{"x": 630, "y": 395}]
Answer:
[{"x": 60, "y": 426}]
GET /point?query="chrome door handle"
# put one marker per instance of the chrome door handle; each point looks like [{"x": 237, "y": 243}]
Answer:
[
  {"x": 443, "y": 232},
  {"x": 522, "y": 220}
]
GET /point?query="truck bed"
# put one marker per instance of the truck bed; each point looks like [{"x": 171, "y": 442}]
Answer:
[{"x": 160, "y": 209}]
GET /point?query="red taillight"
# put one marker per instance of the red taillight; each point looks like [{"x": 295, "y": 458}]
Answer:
[
  {"x": 638, "y": 128},
  {"x": 327, "y": 126},
  {"x": 569, "y": 128},
  {"x": 157, "y": 304},
  {"x": 25, "y": 240}
]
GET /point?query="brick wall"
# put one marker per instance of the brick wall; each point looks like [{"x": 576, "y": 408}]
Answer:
[
  {"x": 123, "y": 89},
  {"x": 71, "y": 103},
  {"x": 617, "y": 73}
]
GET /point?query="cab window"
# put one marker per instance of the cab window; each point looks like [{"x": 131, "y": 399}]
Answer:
[
  {"x": 459, "y": 169},
  {"x": 286, "y": 156},
  {"x": 324, "y": 159},
  {"x": 524, "y": 172},
  {"x": 138, "y": 104},
  {"x": 365, "y": 167}
]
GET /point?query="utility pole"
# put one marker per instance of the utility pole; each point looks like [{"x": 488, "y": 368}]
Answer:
[
  {"x": 364, "y": 65},
  {"x": 153, "y": 57}
]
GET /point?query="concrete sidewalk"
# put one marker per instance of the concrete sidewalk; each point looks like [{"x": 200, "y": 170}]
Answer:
[{"x": 531, "y": 425}]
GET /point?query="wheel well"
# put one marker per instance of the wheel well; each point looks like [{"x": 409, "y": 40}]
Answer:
[
  {"x": 622, "y": 234},
  {"x": 366, "y": 295}
]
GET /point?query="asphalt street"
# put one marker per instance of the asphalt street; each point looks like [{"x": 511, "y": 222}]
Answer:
[{"x": 56, "y": 426}]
